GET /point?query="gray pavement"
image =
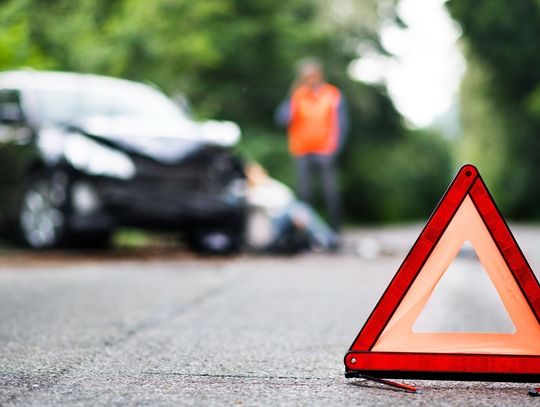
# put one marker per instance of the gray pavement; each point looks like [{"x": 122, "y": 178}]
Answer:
[{"x": 179, "y": 330}]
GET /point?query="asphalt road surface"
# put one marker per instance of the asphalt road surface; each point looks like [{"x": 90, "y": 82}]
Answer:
[{"x": 166, "y": 328}]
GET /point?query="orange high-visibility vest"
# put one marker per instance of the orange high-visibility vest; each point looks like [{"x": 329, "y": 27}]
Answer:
[{"x": 313, "y": 127}]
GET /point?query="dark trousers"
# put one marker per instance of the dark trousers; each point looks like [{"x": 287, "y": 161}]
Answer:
[{"x": 315, "y": 166}]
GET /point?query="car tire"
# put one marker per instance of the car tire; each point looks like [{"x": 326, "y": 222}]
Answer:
[
  {"x": 213, "y": 242},
  {"x": 42, "y": 217},
  {"x": 224, "y": 239}
]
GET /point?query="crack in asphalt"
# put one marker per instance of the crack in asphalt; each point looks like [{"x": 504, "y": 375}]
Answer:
[
  {"x": 129, "y": 332},
  {"x": 155, "y": 321},
  {"x": 238, "y": 376}
]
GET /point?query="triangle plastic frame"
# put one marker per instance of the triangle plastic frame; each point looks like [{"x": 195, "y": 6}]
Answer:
[{"x": 362, "y": 360}]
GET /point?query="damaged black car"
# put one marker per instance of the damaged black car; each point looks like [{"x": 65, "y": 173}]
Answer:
[{"x": 82, "y": 155}]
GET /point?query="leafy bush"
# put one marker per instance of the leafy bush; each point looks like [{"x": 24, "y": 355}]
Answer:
[{"x": 396, "y": 181}]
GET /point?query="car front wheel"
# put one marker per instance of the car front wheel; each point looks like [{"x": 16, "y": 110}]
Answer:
[
  {"x": 222, "y": 239},
  {"x": 42, "y": 217}
]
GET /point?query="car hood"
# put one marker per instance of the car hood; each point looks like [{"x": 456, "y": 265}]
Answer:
[{"x": 165, "y": 141}]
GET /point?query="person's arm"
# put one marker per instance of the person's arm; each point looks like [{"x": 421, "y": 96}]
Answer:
[
  {"x": 343, "y": 123},
  {"x": 282, "y": 115}
]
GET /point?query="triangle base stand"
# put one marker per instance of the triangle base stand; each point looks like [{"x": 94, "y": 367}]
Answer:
[
  {"x": 457, "y": 376},
  {"x": 444, "y": 366},
  {"x": 400, "y": 386}
]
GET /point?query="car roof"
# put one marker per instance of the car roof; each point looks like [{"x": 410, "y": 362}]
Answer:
[{"x": 25, "y": 80}]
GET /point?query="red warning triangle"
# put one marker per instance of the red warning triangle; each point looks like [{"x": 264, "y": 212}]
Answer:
[{"x": 387, "y": 346}]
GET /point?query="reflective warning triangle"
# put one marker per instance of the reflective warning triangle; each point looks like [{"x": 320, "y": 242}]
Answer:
[{"x": 388, "y": 347}]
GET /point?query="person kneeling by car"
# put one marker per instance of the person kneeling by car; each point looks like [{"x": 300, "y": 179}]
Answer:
[{"x": 280, "y": 223}]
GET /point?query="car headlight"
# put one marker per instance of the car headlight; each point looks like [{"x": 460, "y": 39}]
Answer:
[{"x": 96, "y": 159}]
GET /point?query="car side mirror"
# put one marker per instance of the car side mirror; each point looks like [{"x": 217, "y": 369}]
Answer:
[{"x": 11, "y": 113}]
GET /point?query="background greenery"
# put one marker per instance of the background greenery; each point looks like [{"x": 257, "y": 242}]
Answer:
[
  {"x": 234, "y": 60},
  {"x": 500, "y": 98}
]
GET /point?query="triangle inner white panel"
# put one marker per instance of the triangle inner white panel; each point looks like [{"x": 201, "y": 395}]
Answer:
[
  {"x": 464, "y": 300},
  {"x": 524, "y": 339}
]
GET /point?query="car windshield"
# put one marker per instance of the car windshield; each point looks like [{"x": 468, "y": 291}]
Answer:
[{"x": 69, "y": 104}]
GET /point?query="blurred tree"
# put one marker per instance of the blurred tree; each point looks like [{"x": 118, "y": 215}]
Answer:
[
  {"x": 396, "y": 180},
  {"x": 235, "y": 59},
  {"x": 16, "y": 45},
  {"x": 501, "y": 98}
]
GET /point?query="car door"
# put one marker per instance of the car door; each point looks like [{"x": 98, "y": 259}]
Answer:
[{"x": 16, "y": 151}]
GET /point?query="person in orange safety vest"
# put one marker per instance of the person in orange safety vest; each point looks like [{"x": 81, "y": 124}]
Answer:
[{"x": 316, "y": 120}]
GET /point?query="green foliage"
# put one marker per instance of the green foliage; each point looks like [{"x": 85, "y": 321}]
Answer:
[
  {"x": 485, "y": 141},
  {"x": 234, "y": 60},
  {"x": 16, "y": 46},
  {"x": 403, "y": 179},
  {"x": 501, "y": 98}
]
